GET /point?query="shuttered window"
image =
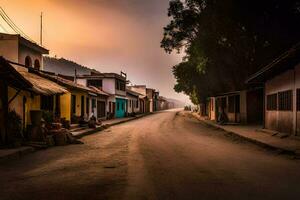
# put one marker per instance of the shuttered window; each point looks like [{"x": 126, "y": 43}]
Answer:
[
  {"x": 272, "y": 102},
  {"x": 285, "y": 100}
]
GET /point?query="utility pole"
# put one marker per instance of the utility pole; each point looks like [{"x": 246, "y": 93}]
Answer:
[{"x": 41, "y": 31}]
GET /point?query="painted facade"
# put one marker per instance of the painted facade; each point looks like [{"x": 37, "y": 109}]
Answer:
[
  {"x": 133, "y": 102},
  {"x": 112, "y": 84},
  {"x": 22, "y": 51},
  {"x": 281, "y": 79}
]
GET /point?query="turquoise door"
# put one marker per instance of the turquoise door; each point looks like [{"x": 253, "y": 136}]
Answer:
[{"x": 120, "y": 107}]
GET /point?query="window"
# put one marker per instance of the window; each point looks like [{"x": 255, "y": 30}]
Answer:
[
  {"x": 47, "y": 103},
  {"x": 285, "y": 100},
  {"x": 95, "y": 83},
  {"x": 120, "y": 85},
  {"x": 37, "y": 64},
  {"x": 28, "y": 61},
  {"x": 272, "y": 102}
]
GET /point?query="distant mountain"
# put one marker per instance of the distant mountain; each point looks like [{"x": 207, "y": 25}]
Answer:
[
  {"x": 65, "y": 67},
  {"x": 177, "y": 103}
]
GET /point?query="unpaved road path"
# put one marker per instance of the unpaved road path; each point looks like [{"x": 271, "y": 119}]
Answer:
[{"x": 161, "y": 156}]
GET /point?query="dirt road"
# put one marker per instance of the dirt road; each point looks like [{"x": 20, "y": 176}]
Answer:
[{"x": 161, "y": 156}]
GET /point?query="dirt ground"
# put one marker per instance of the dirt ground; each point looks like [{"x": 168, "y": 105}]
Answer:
[{"x": 167, "y": 155}]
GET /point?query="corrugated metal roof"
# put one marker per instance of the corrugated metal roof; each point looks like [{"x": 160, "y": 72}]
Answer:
[{"x": 40, "y": 85}]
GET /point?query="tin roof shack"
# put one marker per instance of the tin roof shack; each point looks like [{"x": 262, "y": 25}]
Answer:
[
  {"x": 22, "y": 51},
  {"x": 281, "y": 79},
  {"x": 112, "y": 84}
]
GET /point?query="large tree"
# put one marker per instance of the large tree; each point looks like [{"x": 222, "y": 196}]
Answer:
[{"x": 227, "y": 40}]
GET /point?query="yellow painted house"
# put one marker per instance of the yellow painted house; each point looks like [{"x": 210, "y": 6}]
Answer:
[
  {"x": 41, "y": 96},
  {"x": 23, "y": 91},
  {"x": 79, "y": 101}
]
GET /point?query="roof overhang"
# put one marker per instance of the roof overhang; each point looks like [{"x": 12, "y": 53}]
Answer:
[
  {"x": 12, "y": 76},
  {"x": 285, "y": 62},
  {"x": 33, "y": 45}
]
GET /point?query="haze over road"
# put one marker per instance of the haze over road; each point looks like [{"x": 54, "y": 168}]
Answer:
[{"x": 167, "y": 155}]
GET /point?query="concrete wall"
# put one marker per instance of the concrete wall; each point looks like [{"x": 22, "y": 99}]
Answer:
[
  {"x": 9, "y": 48},
  {"x": 109, "y": 85},
  {"x": 280, "y": 120},
  {"x": 25, "y": 51},
  {"x": 131, "y": 107},
  {"x": 32, "y": 103}
]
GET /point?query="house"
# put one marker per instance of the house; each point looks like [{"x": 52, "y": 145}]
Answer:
[
  {"x": 30, "y": 96},
  {"x": 112, "y": 84},
  {"x": 281, "y": 79},
  {"x": 143, "y": 99},
  {"x": 26, "y": 57},
  {"x": 243, "y": 106},
  {"x": 133, "y": 102},
  {"x": 9, "y": 78},
  {"x": 18, "y": 49},
  {"x": 80, "y": 101}
]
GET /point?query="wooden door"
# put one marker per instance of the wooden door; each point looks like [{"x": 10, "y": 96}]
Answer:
[{"x": 100, "y": 109}]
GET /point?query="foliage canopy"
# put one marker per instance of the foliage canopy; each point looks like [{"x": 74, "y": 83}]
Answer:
[{"x": 225, "y": 41}]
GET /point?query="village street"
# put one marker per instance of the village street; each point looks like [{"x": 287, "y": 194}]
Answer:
[{"x": 167, "y": 155}]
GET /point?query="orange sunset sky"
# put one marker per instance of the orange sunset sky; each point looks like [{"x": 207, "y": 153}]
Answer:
[{"x": 108, "y": 35}]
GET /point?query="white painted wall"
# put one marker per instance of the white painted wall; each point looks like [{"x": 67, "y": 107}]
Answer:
[
  {"x": 131, "y": 107},
  {"x": 109, "y": 86},
  {"x": 25, "y": 51}
]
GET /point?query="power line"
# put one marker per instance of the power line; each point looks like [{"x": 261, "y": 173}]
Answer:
[
  {"x": 3, "y": 28},
  {"x": 12, "y": 25},
  {"x": 8, "y": 19}
]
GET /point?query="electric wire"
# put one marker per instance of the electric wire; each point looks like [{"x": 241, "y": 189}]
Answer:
[{"x": 13, "y": 26}]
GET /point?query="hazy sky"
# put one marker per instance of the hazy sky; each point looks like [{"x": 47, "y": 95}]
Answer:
[{"x": 108, "y": 35}]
